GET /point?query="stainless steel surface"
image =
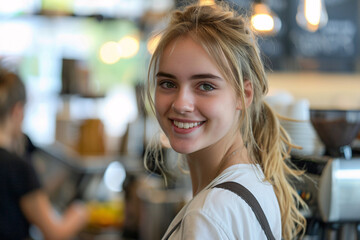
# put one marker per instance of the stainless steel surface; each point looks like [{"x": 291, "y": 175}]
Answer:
[
  {"x": 339, "y": 191},
  {"x": 331, "y": 189},
  {"x": 159, "y": 207}
]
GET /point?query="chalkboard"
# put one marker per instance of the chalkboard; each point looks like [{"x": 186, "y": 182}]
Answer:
[
  {"x": 333, "y": 47},
  {"x": 275, "y": 48}
]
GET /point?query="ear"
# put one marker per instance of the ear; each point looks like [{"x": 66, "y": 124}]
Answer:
[{"x": 249, "y": 93}]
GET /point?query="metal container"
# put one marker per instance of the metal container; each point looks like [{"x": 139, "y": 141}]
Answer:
[
  {"x": 158, "y": 208},
  {"x": 336, "y": 129},
  {"x": 339, "y": 191}
]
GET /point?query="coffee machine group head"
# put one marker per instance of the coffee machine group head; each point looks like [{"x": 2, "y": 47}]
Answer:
[{"x": 339, "y": 185}]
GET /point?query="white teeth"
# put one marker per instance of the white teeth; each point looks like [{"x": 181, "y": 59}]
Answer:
[{"x": 186, "y": 125}]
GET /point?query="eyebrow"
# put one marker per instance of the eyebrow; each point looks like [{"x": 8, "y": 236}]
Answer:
[
  {"x": 193, "y": 77},
  {"x": 167, "y": 75}
]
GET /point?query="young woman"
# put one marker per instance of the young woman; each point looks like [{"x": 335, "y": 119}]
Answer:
[
  {"x": 22, "y": 200},
  {"x": 206, "y": 85}
]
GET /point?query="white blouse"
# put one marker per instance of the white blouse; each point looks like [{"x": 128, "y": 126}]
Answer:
[{"x": 216, "y": 213}]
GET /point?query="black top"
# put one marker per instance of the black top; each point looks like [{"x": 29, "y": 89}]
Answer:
[{"x": 17, "y": 178}]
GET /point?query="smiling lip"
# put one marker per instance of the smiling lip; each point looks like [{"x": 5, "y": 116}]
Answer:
[{"x": 185, "y": 126}]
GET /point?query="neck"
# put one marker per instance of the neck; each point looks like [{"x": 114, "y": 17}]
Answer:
[
  {"x": 5, "y": 142},
  {"x": 206, "y": 164},
  {"x": 6, "y": 138}
]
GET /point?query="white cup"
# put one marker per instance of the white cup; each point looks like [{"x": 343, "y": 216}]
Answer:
[{"x": 299, "y": 110}]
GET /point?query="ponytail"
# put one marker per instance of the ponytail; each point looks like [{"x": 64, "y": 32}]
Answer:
[{"x": 272, "y": 150}]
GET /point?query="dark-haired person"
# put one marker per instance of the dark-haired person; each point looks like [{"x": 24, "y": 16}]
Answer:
[{"x": 22, "y": 200}]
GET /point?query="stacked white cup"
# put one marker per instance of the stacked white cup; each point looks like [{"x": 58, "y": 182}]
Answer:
[{"x": 296, "y": 121}]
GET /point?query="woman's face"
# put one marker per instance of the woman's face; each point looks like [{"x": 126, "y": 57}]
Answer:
[{"x": 195, "y": 106}]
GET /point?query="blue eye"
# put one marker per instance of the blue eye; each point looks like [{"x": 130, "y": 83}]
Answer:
[{"x": 206, "y": 87}]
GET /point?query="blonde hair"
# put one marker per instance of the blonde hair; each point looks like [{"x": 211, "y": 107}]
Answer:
[{"x": 227, "y": 37}]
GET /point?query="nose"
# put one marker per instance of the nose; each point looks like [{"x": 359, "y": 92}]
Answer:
[{"x": 183, "y": 102}]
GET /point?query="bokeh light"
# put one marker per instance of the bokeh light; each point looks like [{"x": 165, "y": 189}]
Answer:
[
  {"x": 114, "y": 176},
  {"x": 110, "y": 52},
  {"x": 129, "y": 47},
  {"x": 262, "y": 22}
]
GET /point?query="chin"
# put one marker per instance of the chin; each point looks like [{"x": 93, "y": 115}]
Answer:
[{"x": 183, "y": 149}]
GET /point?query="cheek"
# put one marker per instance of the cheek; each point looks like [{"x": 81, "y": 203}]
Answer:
[
  {"x": 222, "y": 114},
  {"x": 162, "y": 104},
  {"x": 218, "y": 108},
  {"x": 158, "y": 102}
]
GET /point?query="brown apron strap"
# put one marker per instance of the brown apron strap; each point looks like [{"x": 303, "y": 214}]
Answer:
[{"x": 250, "y": 199}]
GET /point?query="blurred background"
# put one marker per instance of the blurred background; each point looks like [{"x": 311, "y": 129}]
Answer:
[{"x": 84, "y": 63}]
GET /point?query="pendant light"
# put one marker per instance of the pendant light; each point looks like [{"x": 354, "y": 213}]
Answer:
[
  {"x": 207, "y": 2},
  {"x": 263, "y": 20},
  {"x": 311, "y": 14}
]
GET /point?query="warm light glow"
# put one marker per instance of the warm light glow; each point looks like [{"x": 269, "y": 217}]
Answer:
[
  {"x": 152, "y": 43},
  {"x": 311, "y": 14},
  {"x": 129, "y": 47},
  {"x": 110, "y": 52},
  {"x": 207, "y": 2},
  {"x": 262, "y": 22},
  {"x": 313, "y": 11}
]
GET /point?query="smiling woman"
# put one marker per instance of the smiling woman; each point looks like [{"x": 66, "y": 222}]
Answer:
[
  {"x": 191, "y": 90},
  {"x": 206, "y": 85}
]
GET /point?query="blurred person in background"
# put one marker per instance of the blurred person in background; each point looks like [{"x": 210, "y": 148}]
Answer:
[{"x": 23, "y": 202}]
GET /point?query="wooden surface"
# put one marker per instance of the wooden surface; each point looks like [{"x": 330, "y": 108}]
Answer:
[{"x": 322, "y": 90}]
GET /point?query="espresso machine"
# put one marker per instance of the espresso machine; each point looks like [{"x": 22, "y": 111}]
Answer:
[{"x": 331, "y": 184}]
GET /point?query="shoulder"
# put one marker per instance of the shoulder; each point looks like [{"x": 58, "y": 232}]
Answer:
[
  {"x": 18, "y": 173},
  {"x": 14, "y": 164},
  {"x": 222, "y": 213},
  {"x": 10, "y": 160},
  {"x": 232, "y": 214},
  {"x": 252, "y": 178},
  {"x": 220, "y": 204}
]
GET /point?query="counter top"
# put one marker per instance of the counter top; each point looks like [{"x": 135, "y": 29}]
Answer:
[{"x": 323, "y": 90}]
